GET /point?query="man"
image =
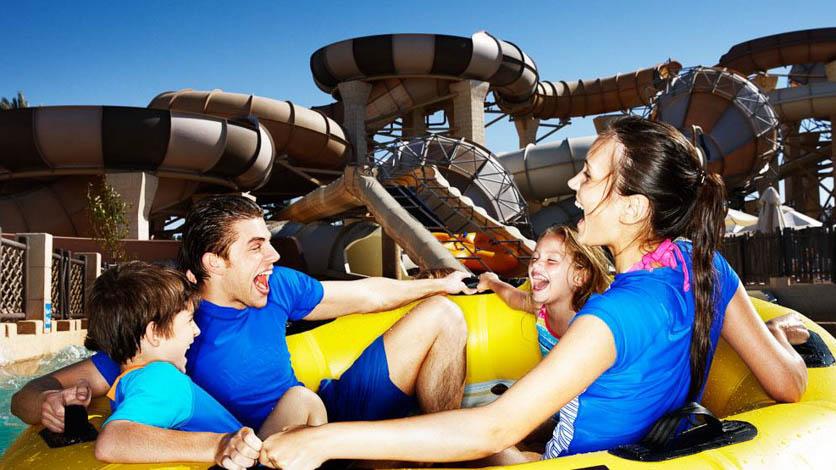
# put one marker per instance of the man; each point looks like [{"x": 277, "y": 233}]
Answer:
[{"x": 241, "y": 357}]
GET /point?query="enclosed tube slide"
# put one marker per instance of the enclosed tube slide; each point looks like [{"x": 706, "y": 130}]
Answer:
[
  {"x": 543, "y": 171},
  {"x": 596, "y": 96},
  {"x": 815, "y": 100},
  {"x": 310, "y": 140},
  {"x": 779, "y": 50},
  {"x": 41, "y": 147}
]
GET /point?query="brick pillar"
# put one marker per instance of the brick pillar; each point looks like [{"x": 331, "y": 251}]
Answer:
[
  {"x": 415, "y": 123},
  {"x": 527, "y": 130},
  {"x": 38, "y": 277},
  {"x": 469, "y": 110},
  {"x": 137, "y": 190},
  {"x": 355, "y": 97}
]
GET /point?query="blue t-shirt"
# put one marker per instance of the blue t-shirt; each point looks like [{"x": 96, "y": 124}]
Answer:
[
  {"x": 162, "y": 396},
  {"x": 651, "y": 318},
  {"x": 241, "y": 356}
]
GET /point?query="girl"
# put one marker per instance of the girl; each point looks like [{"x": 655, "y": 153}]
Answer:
[
  {"x": 632, "y": 354},
  {"x": 563, "y": 274}
]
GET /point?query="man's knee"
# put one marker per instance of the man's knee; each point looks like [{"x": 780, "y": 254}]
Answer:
[
  {"x": 301, "y": 395},
  {"x": 445, "y": 315}
]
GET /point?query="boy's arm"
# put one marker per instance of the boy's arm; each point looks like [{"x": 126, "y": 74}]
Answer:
[
  {"x": 376, "y": 294},
  {"x": 42, "y": 400},
  {"x": 128, "y": 442},
  {"x": 513, "y": 297}
]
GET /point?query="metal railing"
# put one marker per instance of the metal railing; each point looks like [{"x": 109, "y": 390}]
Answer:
[
  {"x": 12, "y": 280},
  {"x": 67, "y": 286},
  {"x": 807, "y": 255}
]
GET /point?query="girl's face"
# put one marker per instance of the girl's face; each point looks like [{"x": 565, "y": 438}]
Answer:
[
  {"x": 551, "y": 271},
  {"x": 594, "y": 196}
]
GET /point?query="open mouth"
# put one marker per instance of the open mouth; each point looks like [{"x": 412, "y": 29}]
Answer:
[
  {"x": 261, "y": 282},
  {"x": 539, "y": 283}
]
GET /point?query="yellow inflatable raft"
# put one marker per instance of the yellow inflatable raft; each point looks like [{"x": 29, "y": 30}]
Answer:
[{"x": 502, "y": 345}]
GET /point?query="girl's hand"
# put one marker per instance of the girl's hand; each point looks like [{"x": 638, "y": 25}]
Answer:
[
  {"x": 789, "y": 325},
  {"x": 486, "y": 281},
  {"x": 290, "y": 450}
]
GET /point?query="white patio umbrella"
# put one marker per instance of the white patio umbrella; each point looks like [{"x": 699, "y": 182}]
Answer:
[
  {"x": 770, "y": 217},
  {"x": 737, "y": 221}
]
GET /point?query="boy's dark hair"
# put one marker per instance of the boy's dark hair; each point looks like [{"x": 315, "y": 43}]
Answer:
[
  {"x": 208, "y": 229},
  {"x": 126, "y": 298}
]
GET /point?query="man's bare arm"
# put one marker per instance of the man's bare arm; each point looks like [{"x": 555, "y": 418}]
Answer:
[
  {"x": 377, "y": 294},
  {"x": 41, "y": 401}
]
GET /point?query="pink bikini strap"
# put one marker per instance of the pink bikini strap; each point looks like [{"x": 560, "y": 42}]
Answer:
[{"x": 664, "y": 256}]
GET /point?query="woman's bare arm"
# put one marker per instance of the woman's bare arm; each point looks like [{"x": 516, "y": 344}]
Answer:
[{"x": 765, "y": 350}]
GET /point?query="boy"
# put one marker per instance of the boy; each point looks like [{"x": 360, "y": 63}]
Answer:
[{"x": 141, "y": 315}]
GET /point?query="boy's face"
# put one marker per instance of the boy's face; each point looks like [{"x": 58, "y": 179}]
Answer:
[
  {"x": 247, "y": 270},
  {"x": 183, "y": 332}
]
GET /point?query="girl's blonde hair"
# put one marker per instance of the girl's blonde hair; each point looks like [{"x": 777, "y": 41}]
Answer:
[{"x": 590, "y": 261}]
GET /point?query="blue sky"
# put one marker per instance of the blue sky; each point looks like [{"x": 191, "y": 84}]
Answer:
[{"x": 121, "y": 53}]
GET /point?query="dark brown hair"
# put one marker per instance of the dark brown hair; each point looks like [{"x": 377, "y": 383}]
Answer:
[
  {"x": 126, "y": 298},
  {"x": 208, "y": 229},
  {"x": 589, "y": 260},
  {"x": 658, "y": 162}
]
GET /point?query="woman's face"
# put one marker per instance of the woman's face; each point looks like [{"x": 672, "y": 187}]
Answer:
[
  {"x": 593, "y": 195},
  {"x": 551, "y": 271}
]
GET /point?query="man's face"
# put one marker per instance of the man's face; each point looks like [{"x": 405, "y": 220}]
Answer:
[{"x": 244, "y": 276}]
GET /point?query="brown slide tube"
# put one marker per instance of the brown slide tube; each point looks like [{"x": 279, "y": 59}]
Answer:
[
  {"x": 597, "y": 96},
  {"x": 779, "y": 50}
]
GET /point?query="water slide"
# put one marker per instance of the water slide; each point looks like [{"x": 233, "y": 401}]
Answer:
[
  {"x": 811, "y": 94},
  {"x": 415, "y": 70},
  {"x": 310, "y": 147},
  {"x": 594, "y": 96},
  {"x": 50, "y": 154},
  {"x": 779, "y": 50}
]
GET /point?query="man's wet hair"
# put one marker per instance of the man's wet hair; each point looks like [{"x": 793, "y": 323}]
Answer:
[
  {"x": 128, "y": 297},
  {"x": 208, "y": 229}
]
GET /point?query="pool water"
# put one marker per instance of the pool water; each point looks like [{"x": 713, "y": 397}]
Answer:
[{"x": 13, "y": 378}]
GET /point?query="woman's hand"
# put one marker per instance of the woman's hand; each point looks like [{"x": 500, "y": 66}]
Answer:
[
  {"x": 291, "y": 450},
  {"x": 486, "y": 281},
  {"x": 238, "y": 450},
  {"x": 791, "y": 326}
]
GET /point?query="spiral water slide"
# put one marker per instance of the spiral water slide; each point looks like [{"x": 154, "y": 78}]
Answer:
[
  {"x": 409, "y": 71},
  {"x": 310, "y": 147},
  {"x": 48, "y": 155}
]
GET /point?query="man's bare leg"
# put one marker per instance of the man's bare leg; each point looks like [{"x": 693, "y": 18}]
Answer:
[
  {"x": 297, "y": 407},
  {"x": 426, "y": 354}
]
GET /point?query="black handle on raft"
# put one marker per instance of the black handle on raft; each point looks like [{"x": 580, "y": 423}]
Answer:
[
  {"x": 815, "y": 352},
  {"x": 77, "y": 429},
  {"x": 663, "y": 442},
  {"x": 664, "y": 430},
  {"x": 471, "y": 282}
]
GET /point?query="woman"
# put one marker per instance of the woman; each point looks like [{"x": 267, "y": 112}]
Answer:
[{"x": 632, "y": 354}]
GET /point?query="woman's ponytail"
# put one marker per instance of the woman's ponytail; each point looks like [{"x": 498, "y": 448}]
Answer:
[{"x": 706, "y": 233}]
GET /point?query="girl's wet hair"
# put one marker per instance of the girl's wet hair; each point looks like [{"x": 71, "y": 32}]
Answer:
[
  {"x": 658, "y": 162},
  {"x": 590, "y": 261}
]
